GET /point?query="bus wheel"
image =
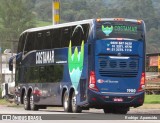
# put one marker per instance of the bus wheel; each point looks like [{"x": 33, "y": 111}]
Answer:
[
  {"x": 32, "y": 105},
  {"x": 108, "y": 110},
  {"x": 26, "y": 102},
  {"x": 66, "y": 102},
  {"x": 121, "y": 110},
  {"x": 75, "y": 108}
]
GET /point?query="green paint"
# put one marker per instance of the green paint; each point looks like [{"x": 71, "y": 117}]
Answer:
[{"x": 75, "y": 63}]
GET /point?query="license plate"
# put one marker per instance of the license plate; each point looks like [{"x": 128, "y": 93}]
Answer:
[{"x": 118, "y": 100}]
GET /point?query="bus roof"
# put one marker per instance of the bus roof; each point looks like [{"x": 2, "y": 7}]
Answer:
[
  {"x": 57, "y": 26},
  {"x": 77, "y": 22}
]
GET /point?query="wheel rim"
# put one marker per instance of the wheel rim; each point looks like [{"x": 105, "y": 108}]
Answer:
[
  {"x": 73, "y": 101},
  {"x": 65, "y": 101},
  {"x": 31, "y": 102},
  {"x": 25, "y": 101}
]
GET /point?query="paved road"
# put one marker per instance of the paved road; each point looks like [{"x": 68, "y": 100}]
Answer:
[
  {"x": 59, "y": 110},
  {"x": 92, "y": 114}
]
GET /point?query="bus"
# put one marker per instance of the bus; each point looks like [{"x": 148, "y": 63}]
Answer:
[{"x": 95, "y": 63}]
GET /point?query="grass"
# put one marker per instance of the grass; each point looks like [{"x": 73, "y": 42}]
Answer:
[
  {"x": 4, "y": 102},
  {"x": 152, "y": 99}
]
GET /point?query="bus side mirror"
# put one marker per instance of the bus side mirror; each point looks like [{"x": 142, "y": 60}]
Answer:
[
  {"x": 11, "y": 64},
  {"x": 11, "y": 67}
]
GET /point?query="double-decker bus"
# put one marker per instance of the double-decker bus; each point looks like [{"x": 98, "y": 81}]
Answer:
[{"x": 96, "y": 63}]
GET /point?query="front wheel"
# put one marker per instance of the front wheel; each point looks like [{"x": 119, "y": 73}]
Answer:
[{"x": 75, "y": 108}]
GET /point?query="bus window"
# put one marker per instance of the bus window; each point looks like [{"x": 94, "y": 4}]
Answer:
[
  {"x": 56, "y": 38},
  {"x": 77, "y": 35},
  {"x": 21, "y": 43},
  {"x": 65, "y": 36},
  {"x": 29, "y": 43},
  {"x": 36, "y": 74},
  {"x": 53, "y": 73},
  {"x": 119, "y": 29},
  {"x": 58, "y": 73},
  {"x": 42, "y": 74},
  {"x": 47, "y": 42},
  {"x": 86, "y": 32},
  {"x": 39, "y": 41},
  {"x": 50, "y": 73}
]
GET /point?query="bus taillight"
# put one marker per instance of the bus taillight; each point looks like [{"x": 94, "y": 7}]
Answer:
[
  {"x": 92, "y": 81},
  {"x": 142, "y": 83}
]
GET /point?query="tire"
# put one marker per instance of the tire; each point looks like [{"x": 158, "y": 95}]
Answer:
[
  {"x": 66, "y": 102},
  {"x": 32, "y": 105},
  {"x": 122, "y": 110},
  {"x": 108, "y": 110},
  {"x": 26, "y": 102},
  {"x": 116, "y": 110},
  {"x": 75, "y": 108}
]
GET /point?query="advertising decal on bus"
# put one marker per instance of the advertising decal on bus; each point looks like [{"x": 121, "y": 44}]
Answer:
[
  {"x": 75, "y": 64},
  {"x": 75, "y": 61}
]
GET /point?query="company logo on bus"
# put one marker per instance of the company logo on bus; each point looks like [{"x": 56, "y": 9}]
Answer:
[
  {"x": 45, "y": 57},
  {"x": 107, "y": 29},
  {"x": 107, "y": 81},
  {"x": 100, "y": 81}
]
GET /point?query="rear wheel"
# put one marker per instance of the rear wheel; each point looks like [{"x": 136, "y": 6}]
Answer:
[
  {"x": 33, "y": 106},
  {"x": 121, "y": 110},
  {"x": 75, "y": 108},
  {"x": 66, "y": 102},
  {"x": 116, "y": 110},
  {"x": 108, "y": 110},
  {"x": 26, "y": 102}
]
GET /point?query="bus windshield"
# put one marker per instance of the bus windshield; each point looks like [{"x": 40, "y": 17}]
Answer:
[{"x": 119, "y": 29}]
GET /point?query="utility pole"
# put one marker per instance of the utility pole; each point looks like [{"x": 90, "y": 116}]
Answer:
[{"x": 56, "y": 11}]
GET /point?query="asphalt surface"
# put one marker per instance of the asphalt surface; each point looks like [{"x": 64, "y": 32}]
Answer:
[
  {"x": 57, "y": 113},
  {"x": 59, "y": 110}
]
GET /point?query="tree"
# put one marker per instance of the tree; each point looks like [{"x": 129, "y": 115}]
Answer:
[{"x": 15, "y": 17}]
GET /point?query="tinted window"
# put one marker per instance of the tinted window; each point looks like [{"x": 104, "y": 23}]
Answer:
[
  {"x": 51, "y": 73},
  {"x": 56, "y": 38},
  {"x": 21, "y": 42},
  {"x": 119, "y": 29},
  {"x": 48, "y": 40},
  {"x": 30, "y": 42},
  {"x": 79, "y": 33},
  {"x": 39, "y": 40},
  {"x": 66, "y": 36}
]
